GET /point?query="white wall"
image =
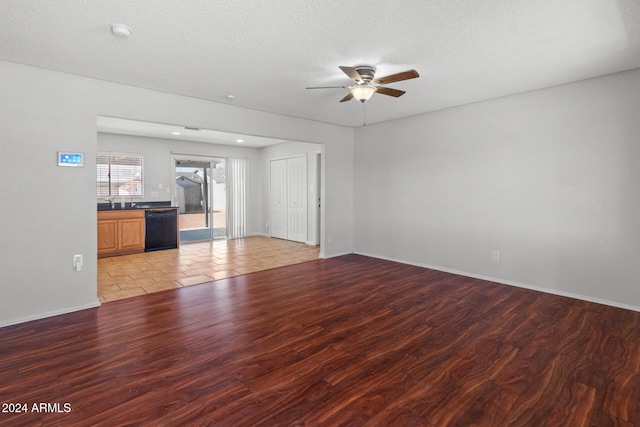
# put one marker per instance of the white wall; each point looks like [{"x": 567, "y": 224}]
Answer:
[
  {"x": 157, "y": 161},
  {"x": 548, "y": 178},
  {"x": 284, "y": 150},
  {"x": 51, "y": 214}
]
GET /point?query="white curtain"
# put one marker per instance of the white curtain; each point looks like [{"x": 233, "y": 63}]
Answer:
[{"x": 236, "y": 198}]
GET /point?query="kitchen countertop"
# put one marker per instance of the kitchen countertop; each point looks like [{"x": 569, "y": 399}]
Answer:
[{"x": 136, "y": 206}]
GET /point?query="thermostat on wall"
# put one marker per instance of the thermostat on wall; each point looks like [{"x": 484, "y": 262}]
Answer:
[{"x": 70, "y": 159}]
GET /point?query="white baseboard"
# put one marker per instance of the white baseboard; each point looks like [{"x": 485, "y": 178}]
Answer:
[
  {"x": 513, "y": 283},
  {"x": 48, "y": 314}
]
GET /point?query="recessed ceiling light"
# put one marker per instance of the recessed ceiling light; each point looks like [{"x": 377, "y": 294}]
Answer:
[
  {"x": 120, "y": 30},
  {"x": 239, "y": 141},
  {"x": 231, "y": 97},
  {"x": 175, "y": 133}
]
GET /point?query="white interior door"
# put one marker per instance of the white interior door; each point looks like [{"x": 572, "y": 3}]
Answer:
[
  {"x": 278, "y": 198},
  {"x": 288, "y": 199},
  {"x": 297, "y": 199}
]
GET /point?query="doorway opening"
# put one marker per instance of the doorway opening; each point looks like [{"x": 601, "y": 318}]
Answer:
[{"x": 201, "y": 197}]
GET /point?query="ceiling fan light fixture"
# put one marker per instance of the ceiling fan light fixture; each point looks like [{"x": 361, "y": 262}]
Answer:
[{"x": 362, "y": 92}]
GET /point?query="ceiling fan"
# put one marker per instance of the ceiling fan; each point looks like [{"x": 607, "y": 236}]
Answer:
[{"x": 366, "y": 84}]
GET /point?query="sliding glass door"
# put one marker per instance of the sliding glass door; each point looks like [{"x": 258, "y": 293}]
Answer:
[{"x": 200, "y": 190}]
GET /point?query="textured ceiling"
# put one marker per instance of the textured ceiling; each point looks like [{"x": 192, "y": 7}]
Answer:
[{"x": 265, "y": 52}]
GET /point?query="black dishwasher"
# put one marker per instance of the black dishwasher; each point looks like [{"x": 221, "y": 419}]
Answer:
[{"x": 161, "y": 229}]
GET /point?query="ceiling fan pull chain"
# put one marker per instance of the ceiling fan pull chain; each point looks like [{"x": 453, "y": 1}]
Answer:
[{"x": 364, "y": 114}]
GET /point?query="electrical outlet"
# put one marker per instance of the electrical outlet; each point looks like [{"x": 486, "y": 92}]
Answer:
[{"x": 496, "y": 255}]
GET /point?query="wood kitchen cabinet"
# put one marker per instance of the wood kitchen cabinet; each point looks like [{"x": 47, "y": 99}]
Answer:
[{"x": 120, "y": 232}]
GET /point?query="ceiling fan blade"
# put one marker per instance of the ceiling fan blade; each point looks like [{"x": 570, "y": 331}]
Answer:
[
  {"x": 390, "y": 92},
  {"x": 327, "y": 87},
  {"x": 347, "y": 98},
  {"x": 405, "y": 75},
  {"x": 351, "y": 72}
]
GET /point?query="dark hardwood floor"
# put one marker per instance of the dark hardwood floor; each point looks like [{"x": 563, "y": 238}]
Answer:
[{"x": 345, "y": 341}]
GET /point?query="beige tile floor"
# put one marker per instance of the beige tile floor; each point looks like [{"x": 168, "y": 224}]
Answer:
[{"x": 193, "y": 263}]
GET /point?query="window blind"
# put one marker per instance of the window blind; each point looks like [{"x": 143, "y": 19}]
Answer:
[
  {"x": 119, "y": 174},
  {"x": 236, "y": 198}
]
